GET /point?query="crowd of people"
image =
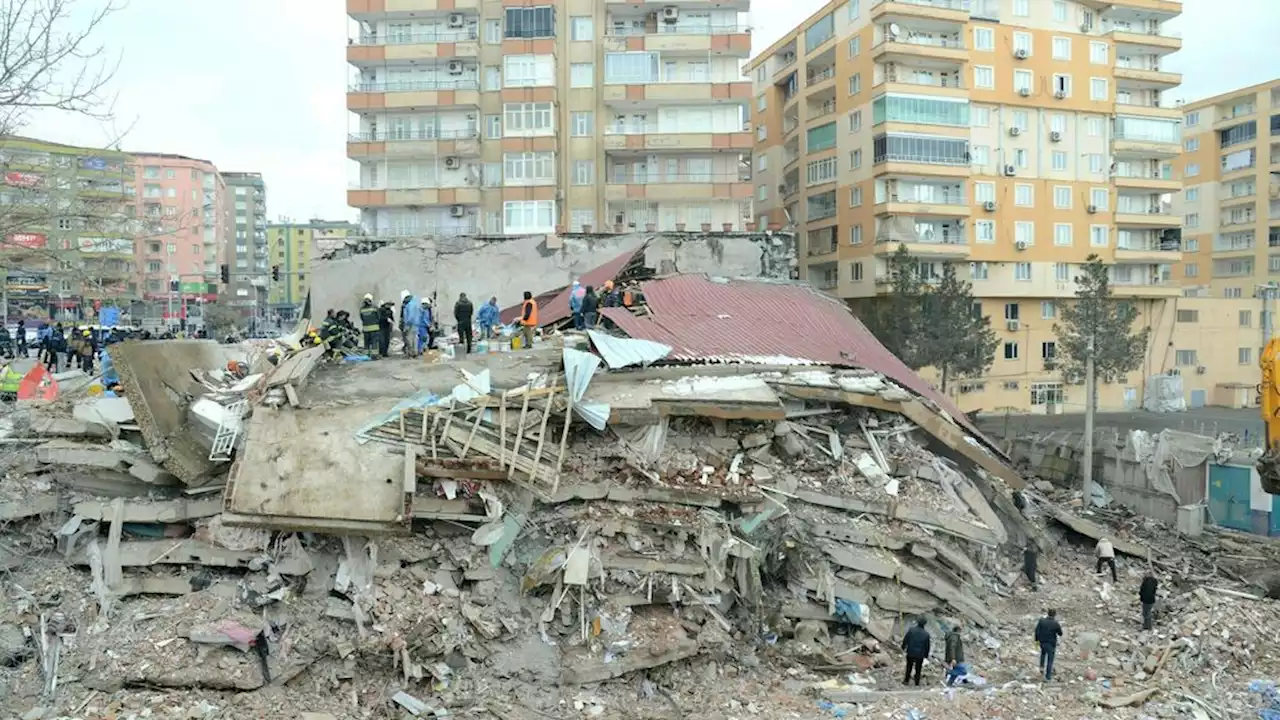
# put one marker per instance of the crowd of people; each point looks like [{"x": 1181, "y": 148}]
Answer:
[
  {"x": 417, "y": 322},
  {"x": 60, "y": 346}
]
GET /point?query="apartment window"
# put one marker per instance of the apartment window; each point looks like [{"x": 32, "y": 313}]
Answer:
[
  {"x": 1236, "y": 293},
  {"x": 531, "y": 22},
  {"x": 528, "y": 167},
  {"x": 984, "y": 192},
  {"x": 1061, "y": 48},
  {"x": 1191, "y": 270},
  {"x": 151, "y": 173},
  {"x": 1024, "y": 233},
  {"x": 855, "y": 46},
  {"x": 1022, "y": 271},
  {"x": 1185, "y": 358},
  {"x": 493, "y": 126},
  {"x": 855, "y": 197},
  {"x": 979, "y": 271},
  {"x": 1061, "y": 272},
  {"x": 1188, "y": 316},
  {"x": 1192, "y": 170},
  {"x": 1099, "y": 235},
  {"x": 762, "y": 103},
  {"x": 1011, "y": 351},
  {"x": 855, "y": 235},
  {"x": 584, "y": 172},
  {"x": 1059, "y": 11},
  {"x": 1193, "y": 119},
  {"x": 169, "y": 174},
  {"x": 583, "y": 123},
  {"x": 581, "y": 29},
  {"x": 492, "y": 78},
  {"x": 855, "y": 84},
  {"x": 1022, "y": 8},
  {"x": 1099, "y": 54},
  {"x": 984, "y": 231},
  {"x": 821, "y": 171},
  {"x": 855, "y": 121},
  {"x": 984, "y": 76},
  {"x": 1061, "y": 197},
  {"x": 1100, "y": 198},
  {"x": 1048, "y": 350},
  {"x": 762, "y": 163},
  {"x": 1020, "y": 120},
  {"x": 582, "y": 75},
  {"x": 984, "y": 38},
  {"x": 528, "y": 70},
  {"x": 1022, "y": 42},
  {"x": 1022, "y": 80},
  {"x": 979, "y": 116},
  {"x": 1192, "y": 220},
  {"x": 1020, "y": 158},
  {"x": 819, "y": 32},
  {"x": 1095, "y": 163},
  {"x": 529, "y": 216},
  {"x": 1099, "y": 89},
  {"x": 1192, "y": 144},
  {"x": 853, "y": 8},
  {"x": 1191, "y": 244},
  {"x": 762, "y": 132},
  {"x": 1062, "y": 84},
  {"x": 1023, "y": 195},
  {"x": 855, "y": 159},
  {"x": 1058, "y": 123},
  {"x": 1059, "y": 160},
  {"x": 1048, "y": 309},
  {"x": 493, "y": 32},
  {"x": 528, "y": 119},
  {"x": 856, "y": 271},
  {"x": 171, "y": 192},
  {"x": 762, "y": 192},
  {"x": 1244, "y": 356},
  {"x": 980, "y": 155},
  {"x": 1093, "y": 126},
  {"x": 1246, "y": 318}
]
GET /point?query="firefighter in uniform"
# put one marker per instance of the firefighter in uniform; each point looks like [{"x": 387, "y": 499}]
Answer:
[{"x": 369, "y": 317}]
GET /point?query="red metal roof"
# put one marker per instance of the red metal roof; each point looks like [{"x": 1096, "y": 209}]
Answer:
[
  {"x": 557, "y": 308},
  {"x": 706, "y": 320}
]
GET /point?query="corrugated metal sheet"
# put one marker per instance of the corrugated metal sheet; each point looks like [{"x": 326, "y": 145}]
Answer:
[
  {"x": 555, "y": 309},
  {"x": 714, "y": 320},
  {"x": 625, "y": 352}
]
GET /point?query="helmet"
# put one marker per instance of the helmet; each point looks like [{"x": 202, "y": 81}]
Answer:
[
  {"x": 368, "y": 296},
  {"x": 87, "y": 333},
  {"x": 403, "y": 294}
]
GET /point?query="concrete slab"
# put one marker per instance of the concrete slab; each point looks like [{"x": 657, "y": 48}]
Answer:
[{"x": 308, "y": 465}]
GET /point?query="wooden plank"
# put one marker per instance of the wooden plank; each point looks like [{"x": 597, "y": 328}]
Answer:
[
  {"x": 542, "y": 436},
  {"x": 502, "y": 429},
  {"x": 564, "y": 442},
  {"x": 164, "y": 511},
  {"x": 515, "y": 448},
  {"x": 467, "y": 446},
  {"x": 410, "y": 469},
  {"x": 111, "y": 572},
  {"x": 461, "y": 473},
  {"x": 140, "y": 553}
]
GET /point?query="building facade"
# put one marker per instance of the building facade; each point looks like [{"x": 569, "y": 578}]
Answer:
[
  {"x": 1012, "y": 137},
  {"x": 1230, "y": 202},
  {"x": 292, "y": 247},
  {"x": 183, "y": 225},
  {"x": 67, "y": 230},
  {"x": 246, "y": 251},
  {"x": 478, "y": 116}
]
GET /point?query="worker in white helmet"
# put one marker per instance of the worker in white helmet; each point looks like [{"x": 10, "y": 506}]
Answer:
[
  {"x": 423, "y": 329},
  {"x": 409, "y": 323},
  {"x": 369, "y": 325},
  {"x": 386, "y": 322}
]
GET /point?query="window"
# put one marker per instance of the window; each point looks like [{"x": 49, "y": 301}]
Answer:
[
  {"x": 582, "y": 75},
  {"x": 984, "y": 76},
  {"x": 1061, "y": 84},
  {"x": 581, "y": 29},
  {"x": 1058, "y": 123},
  {"x": 821, "y": 171},
  {"x": 169, "y": 174},
  {"x": 984, "y": 231},
  {"x": 1023, "y": 195},
  {"x": 1050, "y": 393},
  {"x": 1061, "y": 197},
  {"x": 1099, "y": 89},
  {"x": 979, "y": 116},
  {"x": 1191, "y": 220},
  {"x": 1191, "y": 270},
  {"x": 1048, "y": 350},
  {"x": 1059, "y": 160},
  {"x": 493, "y": 126},
  {"x": 917, "y": 109},
  {"x": 762, "y": 103},
  {"x": 984, "y": 38},
  {"x": 1192, "y": 144},
  {"x": 980, "y": 155},
  {"x": 1022, "y": 80},
  {"x": 1100, "y": 198},
  {"x": 151, "y": 173},
  {"x": 1191, "y": 244},
  {"x": 1093, "y": 126},
  {"x": 855, "y": 159},
  {"x": 1188, "y": 316},
  {"x": 528, "y": 70},
  {"x": 762, "y": 192},
  {"x": 1022, "y": 42},
  {"x": 855, "y": 46},
  {"x": 528, "y": 168},
  {"x": 493, "y": 32},
  {"x": 531, "y": 22},
  {"x": 1061, "y": 48},
  {"x": 1020, "y": 120},
  {"x": 856, "y": 271},
  {"x": 1048, "y": 309},
  {"x": 762, "y": 163},
  {"x": 529, "y": 216},
  {"x": 1185, "y": 357},
  {"x": 1022, "y": 271},
  {"x": 984, "y": 192},
  {"x": 1244, "y": 356},
  {"x": 1192, "y": 170},
  {"x": 1193, "y": 119},
  {"x": 855, "y": 235},
  {"x": 1061, "y": 272},
  {"x": 584, "y": 172},
  {"x": 1011, "y": 351},
  {"x": 820, "y": 138},
  {"x": 1011, "y": 311},
  {"x": 1020, "y": 157},
  {"x": 1246, "y": 318},
  {"x": 855, "y": 121},
  {"x": 819, "y": 32},
  {"x": 1098, "y": 54},
  {"x": 584, "y": 123},
  {"x": 1099, "y": 235},
  {"x": 1022, "y": 8},
  {"x": 855, "y": 84},
  {"x": 492, "y": 78},
  {"x": 979, "y": 271},
  {"x": 1024, "y": 233},
  {"x": 855, "y": 197},
  {"x": 1095, "y": 163},
  {"x": 528, "y": 119},
  {"x": 1059, "y": 11},
  {"x": 1237, "y": 293}
]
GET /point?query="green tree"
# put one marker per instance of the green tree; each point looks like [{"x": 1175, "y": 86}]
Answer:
[
  {"x": 897, "y": 321},
  {"x": 220, "y": 320},
  {"x": 959, "y": 341},
  {"x": 1099, "y": 318}
]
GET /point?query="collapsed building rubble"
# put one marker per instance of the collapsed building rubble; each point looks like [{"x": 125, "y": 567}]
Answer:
[{"x": 675, "y": 518}]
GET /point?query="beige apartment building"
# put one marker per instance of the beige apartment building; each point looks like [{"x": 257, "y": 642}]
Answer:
[
  {"x": 1014, "y": 137},
  {"x": 518, "y": 116},
  {"x": 1230, "y": 201}
]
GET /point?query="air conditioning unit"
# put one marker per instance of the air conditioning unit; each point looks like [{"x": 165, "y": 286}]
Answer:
[
  {"x": 457, "y": 211},
  {"x": 1015, "y": 131},
  {"x": 452, "y": 163},
  {"x": 1061, "y": 94},
  {"x": 1123, "y": 379},
  {"x": 989, "y": 206},
  {"x": 456, "y": 20},
  {"x": 1200, "y": 369},
  {"x": 1050, "y": 364},
  {"x": 1020, "y": 245},
  {"x": 670, "y": 13},
  {"x": 1055, "y": 136},
  {"x": 1011, "y": 325},
  {"x": 1010, "y": 170},
  {"x": 455, "y": 67},
  {"x": 1085, "y": 28},
  {"x": 1025, "y": 92},
  {"x": 1093, "y": 209},
  {"x": 1020, "y": 54}
]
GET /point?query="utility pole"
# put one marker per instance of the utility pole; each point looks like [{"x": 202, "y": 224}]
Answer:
[
  {"x": 1268, "y": 293},
  {"x": 1090, "y": 406}
]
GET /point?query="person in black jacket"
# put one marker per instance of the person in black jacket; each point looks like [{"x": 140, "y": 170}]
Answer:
[
  {"x": 916, "y": 643},
  {"x": 386, "y": 321},
  {"x": 590, "y": 308},
  {"x": 370, "y": 326},
  {"x": 1029, "y": 565},
  {"x": 463, "y": 311},
  {"x": 1147, "y": 595},
  {"x": 1048, "y": 630}
]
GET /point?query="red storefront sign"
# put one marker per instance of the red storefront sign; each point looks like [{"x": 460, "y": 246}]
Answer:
[
  {"x": 21, "y": 179},
  {"x": 31, "y": 241}
]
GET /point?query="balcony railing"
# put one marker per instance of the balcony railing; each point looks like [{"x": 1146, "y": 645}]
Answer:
[
  {"x": 934, "y": 199},
  {"x": 1228, "y": 221},
  {"x": 905, "y": 77},
  {"x": 942, "y": 41},
  {"x": 1234, "y": 244},
  {"x": 822, "y": 110},
  {"x": 1150, "y": 137},
  {"x": 1142, "y": 208},
  {"x": 940, "y": 4},
  {"x": 422, "y": 36},
  {"x": 462, "y": 83},
  {"x": 1159, "y": 31},
  {"x": 655, "y": 178},
  {"x": 1165, "y": 173},
  {"x": 664, "y": 128},
  {"x": 820, "y": 76},
  {"x": 1149, "y": 245},
  {"x": 820, "y": 211},
  {"x": 789, "y": 123},
  {"x": 679, "y": 28},
  {"x": 419, "y": 134}
]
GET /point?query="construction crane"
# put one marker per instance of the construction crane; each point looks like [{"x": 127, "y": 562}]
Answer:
[{"x": 1269, "y": 401}]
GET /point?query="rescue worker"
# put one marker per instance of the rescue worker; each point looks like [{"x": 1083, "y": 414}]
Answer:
[
  {"x": 954, "y": 647},
  {"x": 916, "y": 642},
  {"x": 489, "y": 318},
  {"x": 22, "y": 338},
  {"x": 1106, "y": 556},
  {"x": 576, "y": 293},
  {"x": 6, "y": 342},
  {"x": 425, "y": 339},
  {"x": 369, "y": 325},
  {"x": 528, "y": 319},
  {"x": 1048, "y": 630},
  {"x": 386, "y": 321},
  {"x": 410, "y": 309},
  {"x": 463, "y": 311},
  {"x": 590, "y": 308},
  {"x": 612, "y": 297},
  {"x": 55, "y": 342},
  {"x": 1029, "y": 565},
  {"x": 88, "y": 351},
  {"x": 1147, "y": 596},
  {"x": 73, "y": 347}
]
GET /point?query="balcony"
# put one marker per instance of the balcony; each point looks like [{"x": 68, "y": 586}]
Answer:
[
  {"x": 1238, "y": 197},
  {"x": 912, "y": 45},
  {"x": 1138, "y": 176},
  {"x": 1154, "y": 287},
  {"x": 1146, "y": 78},
  {"x": 894, "y": 205},
  {"x": 1152, "y": 109},
  {"x": 688, "y": 88},
  {"x": 372, "y": 9},
  {"x": 899, "y": 11},
  {"x": 405, "y": 48},
  {"x": 674, "y": 136},
  {"x": 1148, "y": 248},
  {"x": 626, "y": 185},
  {"x": 918, "y": 155},
  {"x": 647, "y": 34},
  {"x": 925, "y": 238},
  {"x": 434, "y": 143},
  {"x": 824, "y": 276},
  {"x": 823, "y": 241},
  {"x": 1142, "y": 213},
  {"x": 1146, "y": 145},
  {"x": 1131, "y": 39},
  {"x": 398, "y": 197},
  {"x": 440, "y": 93},
  {"x": 656, "y": 5}
]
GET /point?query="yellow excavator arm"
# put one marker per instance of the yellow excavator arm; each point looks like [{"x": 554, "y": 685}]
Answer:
[{"x": 1269, "y": 401}]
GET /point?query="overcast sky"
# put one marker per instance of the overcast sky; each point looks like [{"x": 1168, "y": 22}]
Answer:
[{"x": 258, "y": 85}]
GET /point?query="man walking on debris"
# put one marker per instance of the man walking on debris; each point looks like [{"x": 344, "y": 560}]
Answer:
[
  {"x": 462, "y": 314},
  {"x": 954, "y": 658},
  {"x": 386, "y": 321},
  {"x": 1106, "y": 556},
  {"x": 1029, "y": 565},
  {"x": 1048, "y": 630},
  {"x": 590, "y": 308},
  {"x": 916, "y": 643},
  {"x": 369, "y": 325},
  {"x": 1147, "y": 596}
]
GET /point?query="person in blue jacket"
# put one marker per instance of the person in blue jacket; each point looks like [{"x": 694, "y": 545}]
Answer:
[
  {"x": 488, "y": 318},
  {"x": 576, "y": 294},
  {"x": 410, "y": 312},
  {"x": 425, "y": 340}
]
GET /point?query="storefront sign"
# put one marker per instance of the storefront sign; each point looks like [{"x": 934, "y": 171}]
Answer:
[
  {"x": 20, "y": 282},
  {"x": 31, "y": 241},
  {"x": 22, "y": 180},
  {"x": 106, "y": 245}
]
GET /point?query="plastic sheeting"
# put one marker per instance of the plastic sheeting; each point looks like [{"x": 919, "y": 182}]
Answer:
[
  {"x": 579, "y": 368},
  {"x": 625, "y": 352},
  {"x": 1167, "y": 452},
  {"x": 1164, "y": 394}
]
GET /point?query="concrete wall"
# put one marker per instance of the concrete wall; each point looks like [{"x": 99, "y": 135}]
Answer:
[{"x": 506, "y": 267}]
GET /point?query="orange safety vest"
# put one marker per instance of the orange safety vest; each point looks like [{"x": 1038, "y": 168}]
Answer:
[{"x": 532, "y": 306}]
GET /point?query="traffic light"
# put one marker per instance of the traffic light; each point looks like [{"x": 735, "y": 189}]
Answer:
[
  {"x": 275, "y": 273},
  {"x": 225, "y": 272},
  {"x": 173, "y": 286}
]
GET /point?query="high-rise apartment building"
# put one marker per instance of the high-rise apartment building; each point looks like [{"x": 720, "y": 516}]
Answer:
[
  {"x": 1013, "y": 137},
  {"x": 182, "y": 227},
  {"x": 246, "y": 252},
  {"x": 292, "y": 248},
  {"x": 522, "y": 117},
  {"x": 66, "y": 230},
  {"x": 1230, "y": 202}
]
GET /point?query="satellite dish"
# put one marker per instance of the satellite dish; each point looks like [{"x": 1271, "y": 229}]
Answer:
[{"x": 893, "y": 29}]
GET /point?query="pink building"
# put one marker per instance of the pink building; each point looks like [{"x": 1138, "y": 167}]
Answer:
[{"x": 184, "y": 225}]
